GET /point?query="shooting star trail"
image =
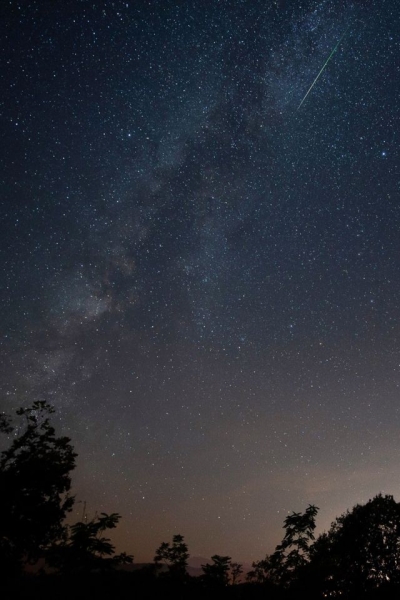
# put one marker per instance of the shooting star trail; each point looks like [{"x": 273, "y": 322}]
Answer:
[{"x": 323, "y": 67}]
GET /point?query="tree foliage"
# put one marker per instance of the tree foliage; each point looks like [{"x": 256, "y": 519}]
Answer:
[
  {"x": 216, "y": 574},
  {"x": 174, "y": 555},
  {"x": 357, "y": 557},
  {"x": 236, "y": 572},
  {"x": 85, "y": 549},
  {"x": 361, "y": 551},
  {"x": 35, "y": 480},
  {"x": 292, "y": 554}
]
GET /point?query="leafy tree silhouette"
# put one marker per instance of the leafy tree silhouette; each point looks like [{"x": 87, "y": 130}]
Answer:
[
  {"x": 217, "y": 573},
  {"x": 236, "y": 572},
  {"x": 35, "y": 472},
  {"x": 259, "y": 572},
  {"x": 292, "y": 554},
  {"x": 85, "y": 549},
  {"x": 174, "y": 555},
  {"x": 361, "y": 551}
]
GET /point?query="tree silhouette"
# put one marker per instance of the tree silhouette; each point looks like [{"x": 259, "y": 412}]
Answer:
[
  {"x": 35, "y": 473},
  {"x": 217, "y": 573},
  {"x": 174, "y": 555},
  {"x": 260, "y": 571},
  {"x": 236, "y": 572},
  {"x": 292, "y": 554},
  {"x": 85, "y": 549},
  {"x": 295, "y": 547},
  {"x": 361, "y": 551}
]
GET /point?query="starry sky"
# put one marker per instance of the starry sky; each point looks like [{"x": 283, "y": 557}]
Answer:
[{"x": 201, "y": 275}]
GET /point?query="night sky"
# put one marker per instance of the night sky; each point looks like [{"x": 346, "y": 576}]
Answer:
[{"x": 201, "y": 275}]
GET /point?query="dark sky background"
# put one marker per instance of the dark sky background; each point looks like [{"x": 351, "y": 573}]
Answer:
[{"x": 202, "y": 277}]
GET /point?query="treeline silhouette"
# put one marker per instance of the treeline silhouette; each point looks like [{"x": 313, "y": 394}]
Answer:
[{"x": 358, "y": 558}]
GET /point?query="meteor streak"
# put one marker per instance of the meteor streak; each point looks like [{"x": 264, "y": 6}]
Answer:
[{"x": 323, "y": 67}]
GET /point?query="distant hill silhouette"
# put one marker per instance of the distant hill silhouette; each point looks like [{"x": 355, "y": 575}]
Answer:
[{"x": 194, "y": 568}]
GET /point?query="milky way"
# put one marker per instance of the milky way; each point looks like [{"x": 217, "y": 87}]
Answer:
[{"x": 202, "y": 279}]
